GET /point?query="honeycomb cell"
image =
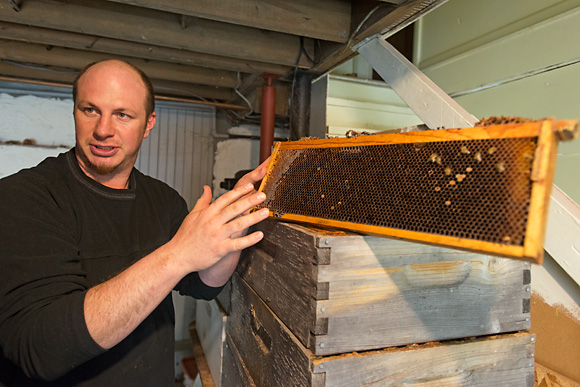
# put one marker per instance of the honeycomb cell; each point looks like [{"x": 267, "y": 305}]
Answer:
[{"x": 474, "y": 189}]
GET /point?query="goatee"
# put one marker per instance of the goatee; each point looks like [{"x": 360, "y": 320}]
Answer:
[{"x": 96, "y": 169}]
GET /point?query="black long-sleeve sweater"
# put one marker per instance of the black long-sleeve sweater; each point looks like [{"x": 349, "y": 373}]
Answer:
[{"x": 62, "y": 233}]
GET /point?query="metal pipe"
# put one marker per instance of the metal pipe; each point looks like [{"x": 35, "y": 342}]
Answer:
[
  {"x": 301, "y": 106},
  {"x": 268, "y": 116},
  {"x": 157, "y": 97}
]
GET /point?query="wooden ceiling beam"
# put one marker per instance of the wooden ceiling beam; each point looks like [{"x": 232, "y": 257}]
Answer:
[
  {"x": 40, "y": 73},
  {"x": 321, "y": 19},
  {"x": 119, "y": 21},
  {"x": 63, "y": 77},
  {"x": 77, "y": 59},
  {"x": 13, "y": 31}
]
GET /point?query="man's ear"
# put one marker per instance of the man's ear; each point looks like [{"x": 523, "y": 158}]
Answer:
[{"x": 150, "y": 124}]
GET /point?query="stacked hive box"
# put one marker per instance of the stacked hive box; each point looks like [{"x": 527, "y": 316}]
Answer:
[{"x": 315, "y": 308}]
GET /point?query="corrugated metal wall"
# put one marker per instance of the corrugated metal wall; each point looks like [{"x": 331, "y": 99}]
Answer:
[{"x": 179, "y": 150}]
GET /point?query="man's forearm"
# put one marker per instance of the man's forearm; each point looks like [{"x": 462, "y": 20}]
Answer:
[
  {"x": 116, "y": 307},
  {"x": 220, "y": 273}
]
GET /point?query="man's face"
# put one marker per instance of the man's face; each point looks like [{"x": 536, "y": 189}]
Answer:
[{"x": 110, "y": 122}]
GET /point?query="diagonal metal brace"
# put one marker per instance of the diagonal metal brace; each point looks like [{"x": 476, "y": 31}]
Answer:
[{"x": 424, "y": 97}]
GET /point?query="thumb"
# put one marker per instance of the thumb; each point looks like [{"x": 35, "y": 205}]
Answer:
[{"x": 204, "y": 200}]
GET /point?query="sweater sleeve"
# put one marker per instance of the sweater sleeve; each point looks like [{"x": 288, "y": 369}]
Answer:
[
  {"x": 193, "y": 286},
  {"x": 42, "y": 283}
]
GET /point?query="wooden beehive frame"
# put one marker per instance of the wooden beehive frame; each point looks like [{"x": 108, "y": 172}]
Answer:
[{"x": 546, "y": 132}]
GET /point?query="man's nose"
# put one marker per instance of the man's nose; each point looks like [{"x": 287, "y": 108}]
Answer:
[{"x": 104, "y": 127}]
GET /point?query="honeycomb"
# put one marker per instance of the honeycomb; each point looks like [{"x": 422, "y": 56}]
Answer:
[{"x": 475, "y": 189}]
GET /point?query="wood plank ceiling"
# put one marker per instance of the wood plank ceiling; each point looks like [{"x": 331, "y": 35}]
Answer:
[{"x": 206, "y": 50}]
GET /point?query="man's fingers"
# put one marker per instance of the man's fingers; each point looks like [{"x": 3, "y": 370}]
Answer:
[
  {"x": 237, "y": 202},
  {"x": 256, "y": 175},
  {"x": 233, "y": 196},
  {"x": 204, "y": 200},
  {"x": 238, "y": 244},
  {"x": 246, "y": 221}
]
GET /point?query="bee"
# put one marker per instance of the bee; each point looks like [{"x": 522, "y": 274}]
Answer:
[
  {"x": 477, "y": 157},
  {"x": 500, "y": 167},
  {"x": 419, "y": 145},
  {"x": 465, "y": 150}
]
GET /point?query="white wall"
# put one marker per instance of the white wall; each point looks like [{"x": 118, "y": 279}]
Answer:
[
  {"x": 241, "y": 152},
  {"x": 364, "y": 105},
  {"x": 47, "y": 121}
]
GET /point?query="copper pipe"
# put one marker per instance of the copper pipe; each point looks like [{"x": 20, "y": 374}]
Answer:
[
  {"x": 268, "y": 116},
  {"x": 198, "y": 102}
]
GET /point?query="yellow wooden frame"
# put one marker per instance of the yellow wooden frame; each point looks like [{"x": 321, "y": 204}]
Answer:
[{"x": 547, "y": 132}]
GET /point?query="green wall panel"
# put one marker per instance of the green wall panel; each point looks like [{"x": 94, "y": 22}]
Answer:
[
  {"x": 509, "y": 57},
  {"x": 555, "y": 93}
]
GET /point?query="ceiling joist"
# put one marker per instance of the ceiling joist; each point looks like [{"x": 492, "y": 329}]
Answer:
[
  {"x": 138, "y": 25},
  {"x": 76, "y": 59},
  {"x": 13, "y": 31},
  {"x": 324, "y": 20},
  {"x": 204, "y": 49}
]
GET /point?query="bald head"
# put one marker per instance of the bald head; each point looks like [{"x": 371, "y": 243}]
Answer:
[{"x": 119, "y": 65}]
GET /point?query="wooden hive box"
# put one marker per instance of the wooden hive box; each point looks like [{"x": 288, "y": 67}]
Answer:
[
  {"x": 262, "y": 351},
  {"x": 339, "y": 292}
]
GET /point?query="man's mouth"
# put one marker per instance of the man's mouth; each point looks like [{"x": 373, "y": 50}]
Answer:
[{"x": 103, "y": 151}]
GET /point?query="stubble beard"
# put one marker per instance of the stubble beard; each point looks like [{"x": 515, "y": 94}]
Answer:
[{"x": 94, "y": 168}]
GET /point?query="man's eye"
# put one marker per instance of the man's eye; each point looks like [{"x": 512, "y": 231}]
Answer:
[
  {"x": 89, "y": 110},
  {"x": 123, "y": 115}
]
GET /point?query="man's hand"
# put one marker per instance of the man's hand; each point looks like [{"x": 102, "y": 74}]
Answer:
[
  {"x": 212, "y": 231},
  {"x": 213, "y": 234}
]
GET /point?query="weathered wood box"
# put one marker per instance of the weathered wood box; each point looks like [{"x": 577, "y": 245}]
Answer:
[
  {"x": 262, "y": 351},
  {"x": 339, "y": 292}
]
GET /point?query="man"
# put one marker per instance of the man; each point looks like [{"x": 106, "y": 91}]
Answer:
[{"x": 91, "y": 248}]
